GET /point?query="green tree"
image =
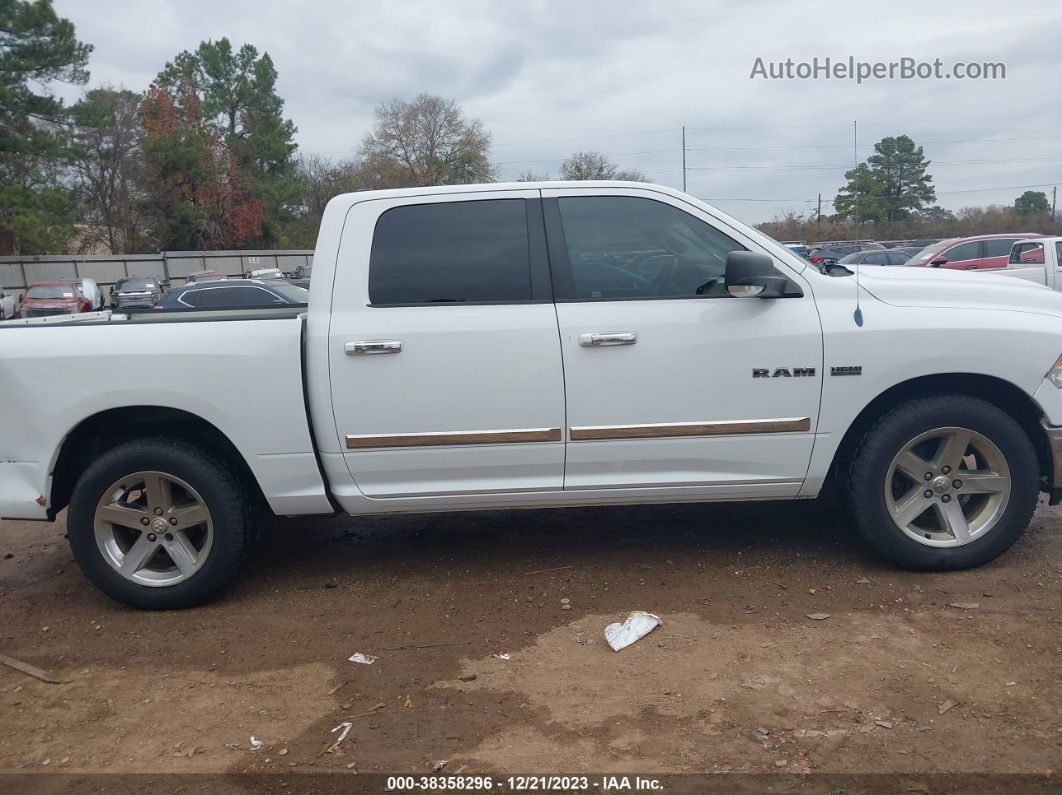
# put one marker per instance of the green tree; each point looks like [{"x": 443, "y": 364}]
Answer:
[
  {"x": 424, "y": 142},
  {"x": 239, "y": 104},
  {"x": 1032, "y": 202},
  {"x": 37, "y": 48},
  {"x": 900, "y": 167},
  {"x": 109, "y": 168},
  {"x": 862, "y": 198}
]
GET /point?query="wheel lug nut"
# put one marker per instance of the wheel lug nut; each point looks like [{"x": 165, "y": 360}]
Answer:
[
  {"x": 145, "y": 521},
  {"x": 945, "y": 470},
  {"x": 169, "y": 536},
  {"x": 929, "y": 493},
  {"x": 928, "y": 476},
  {"x": 957, "y": 484},
  {"x": 158, "y": 512},
  {"x": 152, "y": 537},
  {"x": 946, "y": 498},
  {"x": 173, "y": 519}
]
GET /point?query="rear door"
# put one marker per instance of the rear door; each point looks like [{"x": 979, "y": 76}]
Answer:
[
  {"x": 997, "y": 252},
  {"x": 670, "y": 381},
  {"x": 445, "y": 365}
]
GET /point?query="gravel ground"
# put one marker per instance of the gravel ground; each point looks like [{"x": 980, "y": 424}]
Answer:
[{"x": 922, "y": 673}]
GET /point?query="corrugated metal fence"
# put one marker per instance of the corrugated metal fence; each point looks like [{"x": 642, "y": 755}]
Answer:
[{"x": 18, "y": 273}]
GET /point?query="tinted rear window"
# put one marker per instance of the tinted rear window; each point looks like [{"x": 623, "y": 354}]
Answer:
[
  {"x": 999, "y": 247},
  {"x": 451, "y": 252}
]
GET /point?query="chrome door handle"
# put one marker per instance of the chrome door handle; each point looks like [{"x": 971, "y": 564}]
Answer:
[
  {"x": 600, "y": 339},
  {"x": 372, "y": 347}
]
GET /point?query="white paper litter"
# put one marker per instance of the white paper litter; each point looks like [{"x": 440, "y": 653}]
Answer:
[
  {"x": 364, "y": 659},
  {"x": 637, "y": 626},
  {"x": 256, "y": 744},
  {"x": 503, "y": 656},
  {"x": 345, "y": 727}
]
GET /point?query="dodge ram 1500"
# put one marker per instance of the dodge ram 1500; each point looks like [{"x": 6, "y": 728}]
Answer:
[{"x": 530, "y": 345}]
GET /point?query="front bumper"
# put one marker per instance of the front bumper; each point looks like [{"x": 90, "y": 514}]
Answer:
[{"x": 1053, "y": 486}]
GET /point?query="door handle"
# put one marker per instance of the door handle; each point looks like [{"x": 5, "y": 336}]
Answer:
[
  {"x": 372, "y": 347},
  {"x": 599, "y": 339}
]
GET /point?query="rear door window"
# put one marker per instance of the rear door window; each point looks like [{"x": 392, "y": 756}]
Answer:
[
  {"x": 451, "y": 252},
  {"x": 999, "y": 247},
  {"x": 216, "y": 297}
]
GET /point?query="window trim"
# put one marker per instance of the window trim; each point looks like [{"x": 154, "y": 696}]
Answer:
[
  {"x": 560, "y": 266},
  {"x": 541, "y": 280}
]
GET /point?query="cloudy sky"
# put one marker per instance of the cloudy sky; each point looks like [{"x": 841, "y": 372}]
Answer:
[{"x": 549, "y": 78}]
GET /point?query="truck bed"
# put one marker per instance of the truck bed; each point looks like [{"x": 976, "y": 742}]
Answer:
[{"x": 241, "y": 371}]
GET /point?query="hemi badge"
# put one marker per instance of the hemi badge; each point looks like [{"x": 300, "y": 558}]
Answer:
[{"x": 857, "y": 370}]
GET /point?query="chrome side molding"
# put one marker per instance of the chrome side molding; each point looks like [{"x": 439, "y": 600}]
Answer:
[
  {"x": 439, "y": 439},
  {"x": 665, "y": 430}
]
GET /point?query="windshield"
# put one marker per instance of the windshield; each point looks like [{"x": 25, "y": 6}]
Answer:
[
  {"x": 50, "y": 293},
  {"x": 931, "y": 251}
]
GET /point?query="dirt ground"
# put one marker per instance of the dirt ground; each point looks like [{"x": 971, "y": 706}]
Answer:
[{"x": 910, "y": 672}]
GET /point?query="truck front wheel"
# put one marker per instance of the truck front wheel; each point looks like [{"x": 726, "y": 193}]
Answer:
[
  {"x": 158, "y": 524},
  {"x": 943, "y": 482}
]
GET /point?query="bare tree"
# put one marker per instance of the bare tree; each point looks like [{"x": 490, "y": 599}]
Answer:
[
  {"x": 321, "y": 180},
  {"x": 425, "y": 142},
  {"x": 533, "y": 176},
  {"x": 109, "y": 168},
  {"x": 596, "y": 165}
]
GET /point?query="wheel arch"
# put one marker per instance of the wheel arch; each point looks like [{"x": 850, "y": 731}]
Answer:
[
  {"x": 997, "y": 391},
  {"x": 105, "y": 430}
]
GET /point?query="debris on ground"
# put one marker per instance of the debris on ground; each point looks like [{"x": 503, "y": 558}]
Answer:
[
  {"x": 637, "y": 625},
  {"x": 343, "y": 729},
  {"x": 504, "y": 656},
  {"x": 468, "y": 678},
  {"x": 885, "y": 724},
  {"x": 942, "y": 708},
  {"x": 364, "y": 659},
  {"x": 338, "y": 687},
  {"x": 256, "y": 744},
  {"x": 818, "y": 616},
  {"x": 30, "y": 670},
  {"x": 965, "y": 605},
  {"x": 439, "y": 765},
  {"x": 408, "y": 704}
]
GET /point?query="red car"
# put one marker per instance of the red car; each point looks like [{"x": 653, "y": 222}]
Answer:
[
  {"x": 983, "y": 252},
  {"x": 54, "y": 298}
]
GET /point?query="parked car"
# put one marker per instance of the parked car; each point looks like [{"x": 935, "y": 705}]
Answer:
[
  {"x": 54, "y": 298},
  {"x": 234, "y": 293},
  {"x": 92, "y": 292},
  {"x": 909, "y": 251},
  {"x": 798, "y": 247},
  {"x": 478, "y": 347},
  {"x": 8, "y": 305},
  {"x": 889, "y": 256},
  {"x": 300, "y": 277},
  {"x": 265, "y": 273},
  {"x": 831, "y": 254},
  {"x": 136, "y": 292},
  {"x": 204, "y": 276},
  {"x": 981, "y": 252},
  {"x": 1036, "y": 260}
]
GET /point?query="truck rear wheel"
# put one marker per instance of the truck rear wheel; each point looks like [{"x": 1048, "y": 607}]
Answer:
[
  {"x": 158, "y": 524},
  {"x": 943, "y": 482}
]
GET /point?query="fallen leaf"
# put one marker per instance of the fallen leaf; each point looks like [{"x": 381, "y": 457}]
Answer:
[
  {"x": 942, "y": 708},
  {"x": 818, "y": 616},
  {"x": 965, "y": 605},
  {"x": 408, "y": 704}
]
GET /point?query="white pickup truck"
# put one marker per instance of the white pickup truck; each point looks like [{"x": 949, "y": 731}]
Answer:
[
  {"x": 1036, "y": 260},
  {"x": 530, "y": 345}
]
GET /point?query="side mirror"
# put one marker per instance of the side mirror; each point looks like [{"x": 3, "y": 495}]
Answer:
[
  {"x": 751, "y": 274},
  {"x": 939, "y": 261}
]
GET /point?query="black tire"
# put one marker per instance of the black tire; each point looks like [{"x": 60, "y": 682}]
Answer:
[
  {"x": 869, "y": 466},
  {"x": 221, "y": 492}
]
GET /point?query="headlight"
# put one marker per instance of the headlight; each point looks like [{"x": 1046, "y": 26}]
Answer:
[{"x": 1054, "y": 375}]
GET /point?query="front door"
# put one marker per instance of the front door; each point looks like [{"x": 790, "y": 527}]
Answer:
[
  {"x": 670, "y": 381},
  {"x": 445, "y": 366}
]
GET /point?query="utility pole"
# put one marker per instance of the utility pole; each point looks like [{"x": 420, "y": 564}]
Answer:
[
  {"x": 1054, "y": 200},
  {"x": 818, "y": 215},
  {"x": 855, "y": 142},
  {"x": 683, "y": 158}
]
